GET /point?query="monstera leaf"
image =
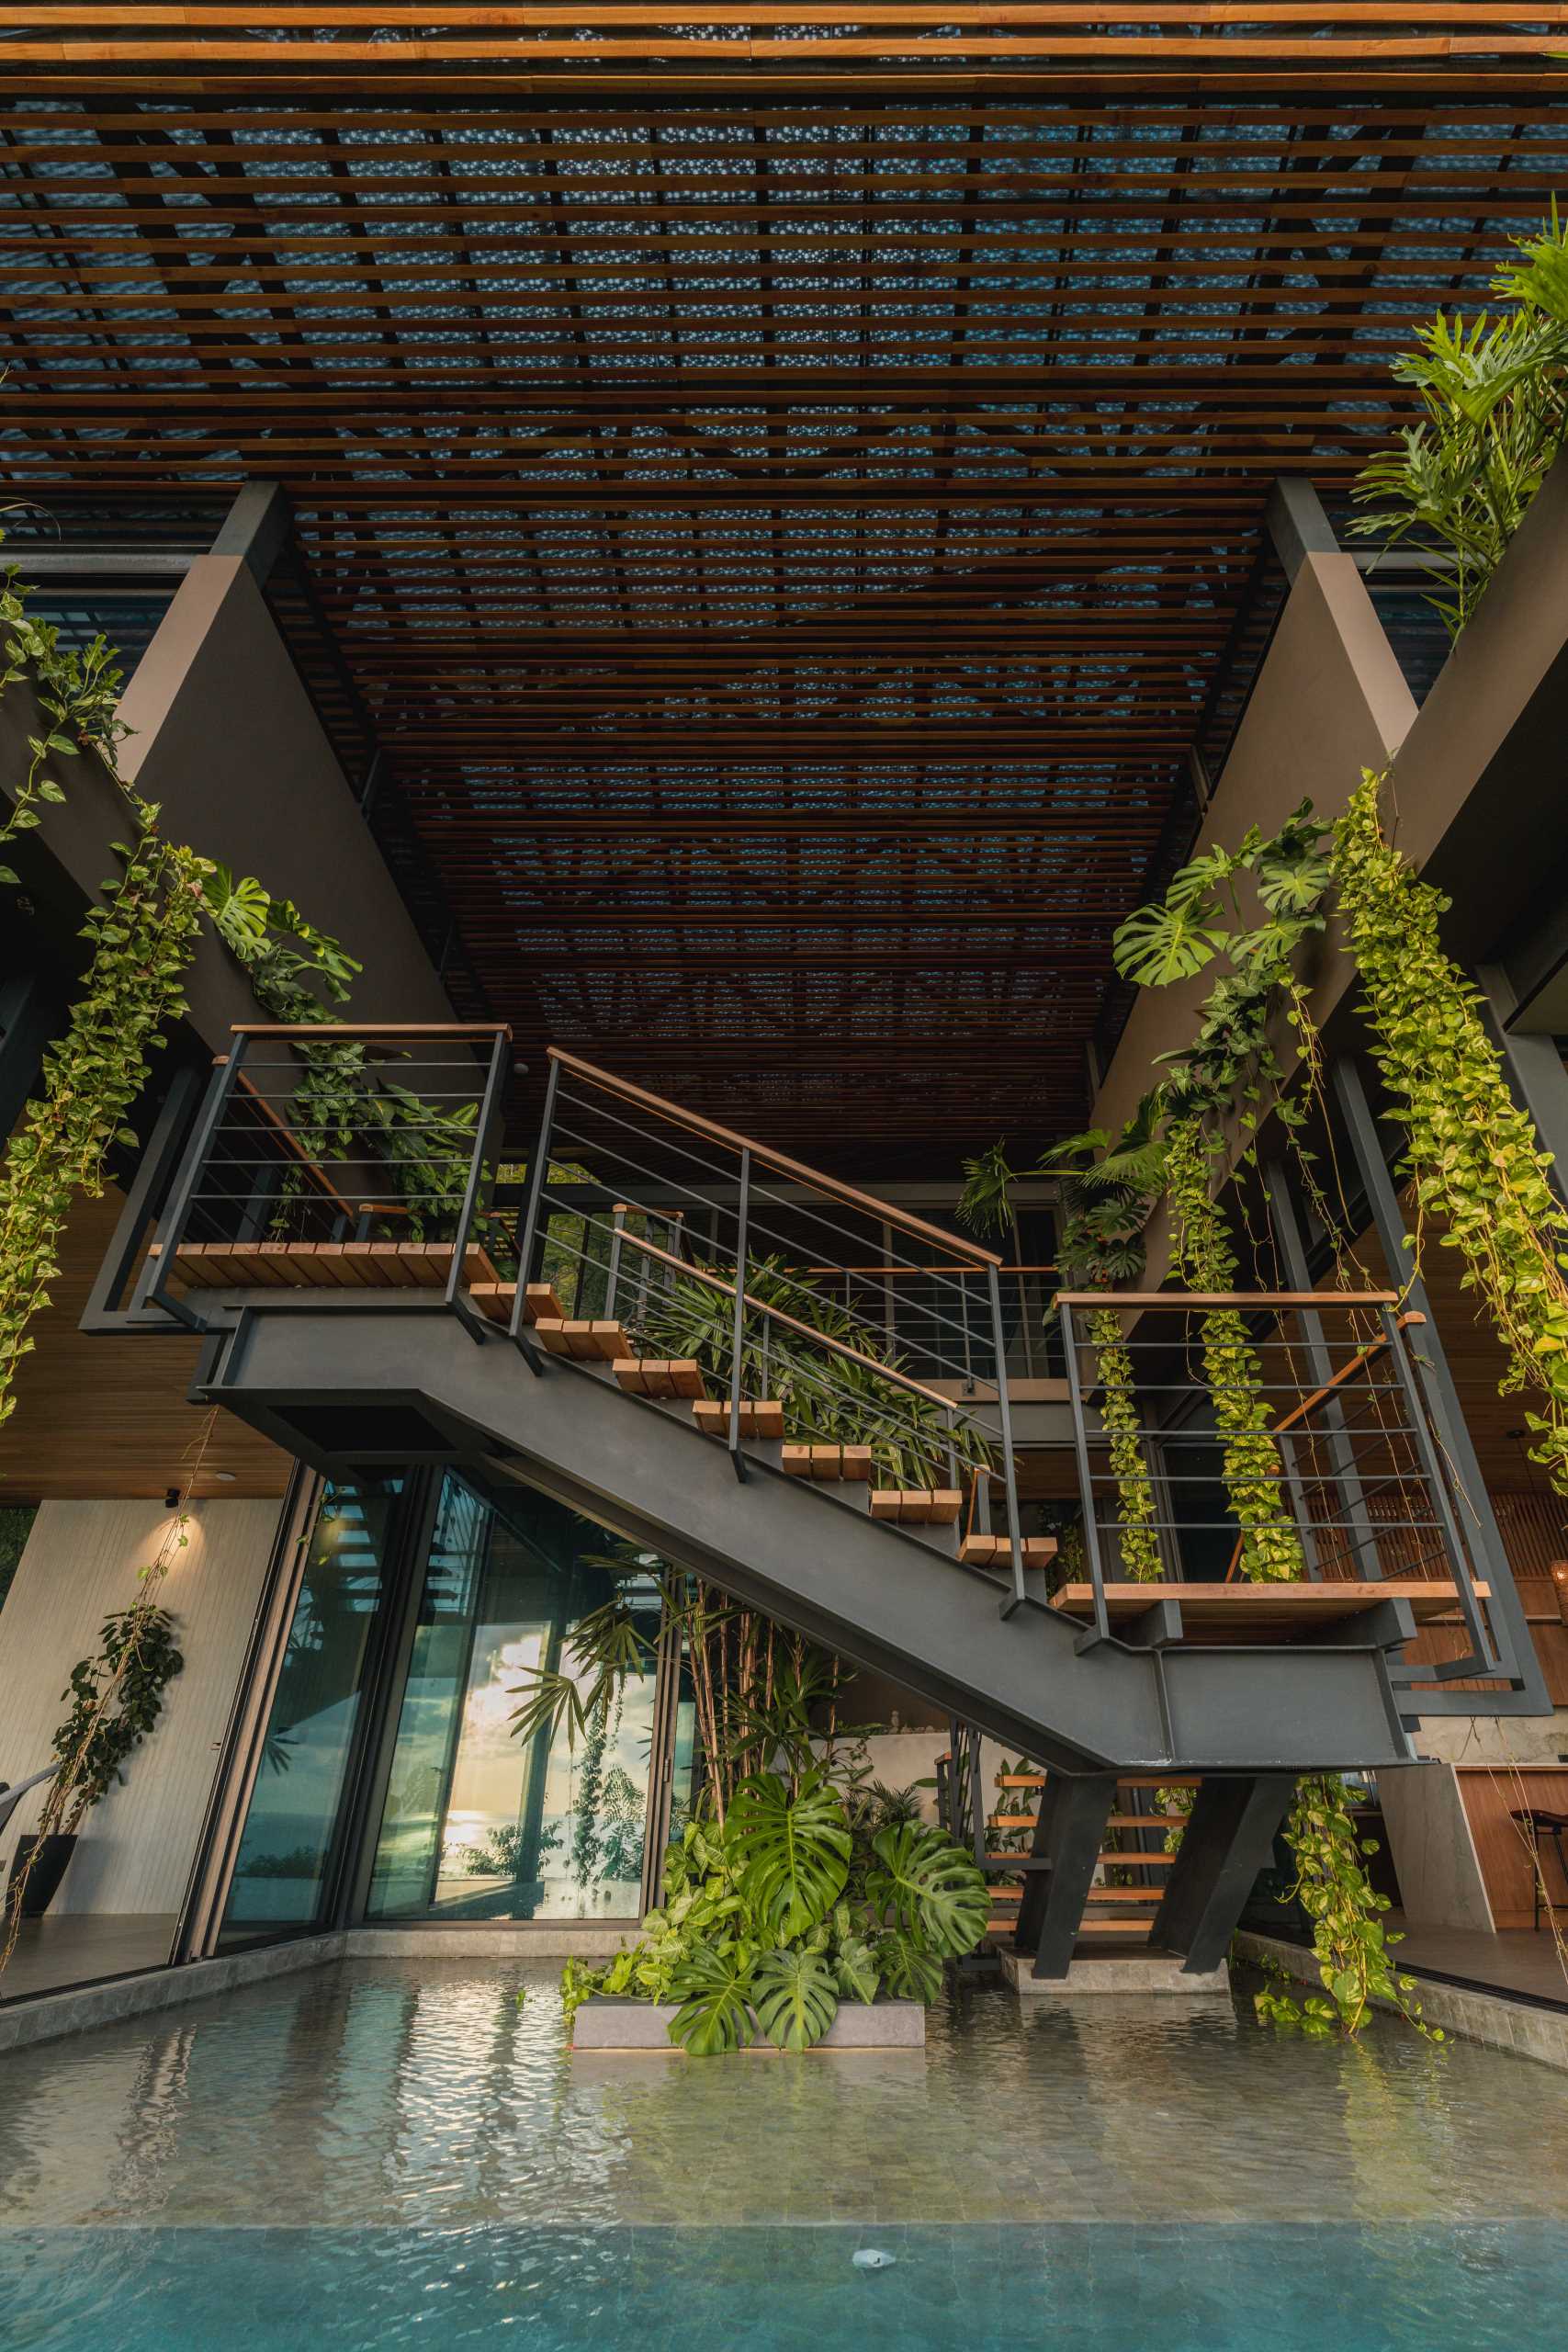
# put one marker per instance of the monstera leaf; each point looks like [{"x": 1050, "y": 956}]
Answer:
[
  {"x": 713, "y": 1988},
  {"x": 908, "y": 1971},
  {"x": 790, "y": 1855},
  {"x": 797, "y": 1997},
  {"x": 1162, "y": 944},
  {"x": 923, "y": 1883},
  {"x": 854, "y": 1966}
]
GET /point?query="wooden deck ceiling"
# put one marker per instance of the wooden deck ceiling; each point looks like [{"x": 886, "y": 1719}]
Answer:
[{"x": 784, "y": 528}]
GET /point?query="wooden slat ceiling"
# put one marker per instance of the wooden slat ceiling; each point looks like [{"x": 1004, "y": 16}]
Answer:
[{"x": 783, "y": 542}]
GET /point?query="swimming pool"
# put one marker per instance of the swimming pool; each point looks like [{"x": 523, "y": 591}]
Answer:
[{"x": 391, "y": 2154}]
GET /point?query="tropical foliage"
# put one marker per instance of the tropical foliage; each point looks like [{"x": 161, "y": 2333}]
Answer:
[
  {"x": 1474, "y": 1157},
  {"x": 828, "y": 1397},
  {"x": 806, "y": 1896},
  {"x": 1349, "y": 1940},
  {"x": 1493, "y": 395},
  {"x": 117, "y": 1697}
]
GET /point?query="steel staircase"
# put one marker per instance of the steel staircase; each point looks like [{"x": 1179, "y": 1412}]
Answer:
[{"x": 357, "y": 1349}]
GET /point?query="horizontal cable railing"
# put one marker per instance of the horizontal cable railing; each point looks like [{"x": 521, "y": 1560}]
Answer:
[
  {"x": 1263, "y": 1436},
  {"x": 776, "y": 1277},
  {"x": 329, "y": 1155}
]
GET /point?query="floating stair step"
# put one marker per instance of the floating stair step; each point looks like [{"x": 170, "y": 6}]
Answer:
[
  {"x": 1144, "y": 1895},
  {"x": 996, "y": 1550},
  {"x": 1136, "y": 1862},
  {"x": 1116, "y": 1927},
  {"x": 1021, "y": 1779},
  {"x": 494, "y": 1302},
  {"x": 917, "y": 1506},
  {"x": 326, "y": 1265},
  {"x": 660, "y": 1375},
  {"x": 588, "y": 1343},
  {"x": 1283, "y": 1611},
  {"x": 1012, "y": 1821},
  {"x": 1148, "y": 1820},
  {"x": 761, "y": 1418},
  {"x": 845, "y": 1463}
]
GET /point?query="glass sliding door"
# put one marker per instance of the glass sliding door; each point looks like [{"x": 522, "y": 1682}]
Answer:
[
  {"x": 480, "y": 1824},
  {"x": 285, "y": 1870}
]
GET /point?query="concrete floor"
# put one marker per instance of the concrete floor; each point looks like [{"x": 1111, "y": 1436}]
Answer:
[
  {"x": 1513, "y": 1961},
  {"x": 53, "y": 1954}
]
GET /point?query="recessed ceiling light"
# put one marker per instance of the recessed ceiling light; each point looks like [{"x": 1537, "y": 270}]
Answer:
[{"x": 225, "y": 1477}]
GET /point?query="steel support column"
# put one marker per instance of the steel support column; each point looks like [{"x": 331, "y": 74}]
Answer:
[
  {"x": 1068, "y": 1831},
  {"x": 1228, "y": 1837}
]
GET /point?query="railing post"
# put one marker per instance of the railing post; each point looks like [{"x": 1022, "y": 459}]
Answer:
[
  {"x": 743, "y": 1215},
  {"x": 1415, "y": 1405},
  {"x": 172, "y": 1225},
  {"x": 1086, "y": 1476},
  {"x": 484, "y": 1139},
  {"x": 612, "y": 1279},
  {"x": 1005, "y": 1414},
  {"x": 537, "y": 1177}
]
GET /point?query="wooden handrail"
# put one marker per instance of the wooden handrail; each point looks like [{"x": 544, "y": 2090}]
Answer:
[
  {"x": 1239, "y": 1298},
  {"x": 823, "y": 1338},
  {"x": 780, "y": 1162},
  {"x": 454, "y": 1029}
]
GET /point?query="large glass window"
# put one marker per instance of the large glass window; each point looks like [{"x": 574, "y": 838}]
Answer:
[
  {"x": 287, "y": 1853},
  {"x": 480, "y": 1824}
]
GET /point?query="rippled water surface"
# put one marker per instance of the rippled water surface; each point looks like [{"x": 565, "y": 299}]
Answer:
[{"x": 388, "y": 2153}]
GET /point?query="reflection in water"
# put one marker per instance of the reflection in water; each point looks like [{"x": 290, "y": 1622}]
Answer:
[{"x": 418, "y": 2092}]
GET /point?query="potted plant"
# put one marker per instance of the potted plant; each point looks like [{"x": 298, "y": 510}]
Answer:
[{"x": 117, "y": 1697}]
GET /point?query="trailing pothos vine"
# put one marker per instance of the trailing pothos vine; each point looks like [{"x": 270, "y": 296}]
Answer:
[
  {"x": 1473, "y": 1155},
  {"x": 142, "y": 940}
]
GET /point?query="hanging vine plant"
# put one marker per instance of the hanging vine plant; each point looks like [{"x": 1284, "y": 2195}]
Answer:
[
  {"x": 1108, "y": 1187},
  {"x": 141, "y": 939},
  {"x": 1474, "y": 1157}
]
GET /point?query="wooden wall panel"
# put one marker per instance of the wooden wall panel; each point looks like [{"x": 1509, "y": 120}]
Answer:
[
  {"x": 99, "y": 1417},
  {"x": 1491, "y": 1794}
]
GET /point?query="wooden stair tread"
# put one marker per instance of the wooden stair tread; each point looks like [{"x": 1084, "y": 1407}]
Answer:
[
  {"x": 1137, "y": 1862},
  {"x": 759, "y": 1416},
  {"x": 917, "y": 1506},
  {"x": 1021, "y": 1779},
  {"x": 1144, "y": 1894},
  {"x": 495, "y": 1301},
  {"x": 843, "y": 1463},
  {"x": 660, "y": 1375},
  {"x": 1013, "y": 1821},
  {"x": 327, "y": 1265},
  {"x": 996, "y": 1550},
  {"x": 588, "y": 1343},
  {"x": 1264, "y": 1608},
  {"x": 1116, "y": 1927}
]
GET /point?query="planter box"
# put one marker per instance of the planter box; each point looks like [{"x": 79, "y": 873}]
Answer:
[{"x": 607, "y": 2023}]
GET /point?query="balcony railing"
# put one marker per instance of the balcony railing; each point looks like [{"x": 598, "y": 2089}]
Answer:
[
  {"x": 1341, "y": 1479},
  {"x": 369, "y": 1165}
]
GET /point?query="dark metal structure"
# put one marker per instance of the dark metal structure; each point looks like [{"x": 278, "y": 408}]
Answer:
[{"x": 779, "y": 488}]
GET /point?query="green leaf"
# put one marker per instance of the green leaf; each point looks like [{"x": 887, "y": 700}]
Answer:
[
  {"x": 929, "y": 1887},
  {"x": 854, "y": 1965},
  {"x": 797, "y": 1997},
  {"x": 909, "y": 1972},
  {"x": 1160, "y": 944},
  {"x": 713, "y": 1989},
  {"x": 790, "y": 1856}
]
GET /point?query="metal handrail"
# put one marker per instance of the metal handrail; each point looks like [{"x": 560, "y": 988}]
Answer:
[
  {"x": 697, "y": 1273},
  {"x": 779, "y": 1161}
]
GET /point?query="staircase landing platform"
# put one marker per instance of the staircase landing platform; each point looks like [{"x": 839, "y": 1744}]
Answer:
[{"x": 1126, "y": 1972}]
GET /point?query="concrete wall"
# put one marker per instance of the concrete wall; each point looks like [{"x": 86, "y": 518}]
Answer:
[
  {"x": 225, "y": 739},
  {"x": 81, "y": 1563}
]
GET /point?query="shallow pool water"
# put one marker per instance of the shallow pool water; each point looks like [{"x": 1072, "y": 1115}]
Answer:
[{"x": 390, "y": 2152}]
